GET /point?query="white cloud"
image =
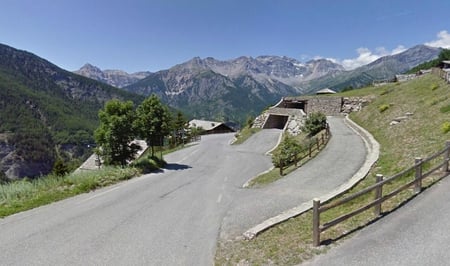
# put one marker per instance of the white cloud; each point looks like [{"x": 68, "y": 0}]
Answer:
[
  {"x": 442, "y": 41},
  {"x": 366, "y": 56}
]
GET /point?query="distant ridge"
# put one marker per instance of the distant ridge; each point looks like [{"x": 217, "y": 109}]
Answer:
[{"x": 116, "y": 78}]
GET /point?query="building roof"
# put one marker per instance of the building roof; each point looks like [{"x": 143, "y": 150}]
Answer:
[
  {"x": 206, "y": 125},
  {"x": 326, "y": 91}
]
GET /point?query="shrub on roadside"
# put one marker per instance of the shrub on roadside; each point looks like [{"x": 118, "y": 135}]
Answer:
[
  {"x": 434, "y": 86},
  {"x": 383, "y": 108},
  {"x": 314, "y": 123},
  {"x": 286, "y": 152},
  {"x": 445, "y": 127},
  {"x": 149, "y": 164}
]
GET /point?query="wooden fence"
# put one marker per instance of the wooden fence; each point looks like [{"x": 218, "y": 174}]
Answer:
[
  {"x": 315, "y": 145},
  {"x": 420, "y": 170}
]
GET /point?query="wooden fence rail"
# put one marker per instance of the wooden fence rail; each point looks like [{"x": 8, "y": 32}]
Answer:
[
  {"x": 314, "y": 145},
  {"x": 420, "y": 169}
]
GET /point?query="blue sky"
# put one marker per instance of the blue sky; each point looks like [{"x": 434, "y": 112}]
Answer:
[{"x": 135, "y": 35}]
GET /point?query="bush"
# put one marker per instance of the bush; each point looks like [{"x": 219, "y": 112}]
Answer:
[
  {"x": 434, "y": 86},
  {"x": 60, "y": 168},
  {"x": 286, "y": 152},
  {"x": 314, "y": 123},
  {"x": 149, "y": 164},
  {"x": 445, "y": 109},
  {"x": 445, "y": 127},
  {"x": 383, "y": 108}
]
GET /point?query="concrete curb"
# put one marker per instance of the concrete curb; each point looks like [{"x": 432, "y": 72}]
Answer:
[{"x": 373, "y": 151}]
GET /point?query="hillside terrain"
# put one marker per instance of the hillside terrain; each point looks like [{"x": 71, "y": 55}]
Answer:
[
  {"x": 385, "y": 68},
  {"x": 44, "y": 106},
  {"x": 422, "y": 106},
  {"x": 46, "y": 112}
]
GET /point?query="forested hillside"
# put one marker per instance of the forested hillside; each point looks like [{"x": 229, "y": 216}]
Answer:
[{"x": 45, "y": 113}]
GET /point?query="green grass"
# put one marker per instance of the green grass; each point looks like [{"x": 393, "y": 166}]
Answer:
[
  {"x": 290, "y": 243},
  {"x": 244, "y": 134},
  {"x": 274, "y": 174},
  {"x": 26, "y": 194}
]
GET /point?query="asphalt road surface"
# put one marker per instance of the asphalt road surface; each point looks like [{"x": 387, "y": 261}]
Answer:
[
  {"x": 415, "y": 234},
  {"x": 174, "y": 217}
]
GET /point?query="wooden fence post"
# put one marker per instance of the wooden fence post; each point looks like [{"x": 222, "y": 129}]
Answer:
[
  {"x": 323, "y": 139},
  {"x": 446, "y": 157},
  {"x": 378, "y": 195},
  {"x": 418, "y": 177},
  {"x": 281, "y": 167},
  {"x": 316, "y": 222},
  {"x": 310, "y": 149},
  {"x": 318, "y": 144}
]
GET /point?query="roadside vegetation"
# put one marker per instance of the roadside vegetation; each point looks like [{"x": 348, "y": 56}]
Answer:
[
  {"x": 427, "y": 101},
  {"x": 294, "y": 151},
  {"x": 26, "y": 194},
  {"x": 246, "y": 132},
  {"x": 120, "y": 123}
]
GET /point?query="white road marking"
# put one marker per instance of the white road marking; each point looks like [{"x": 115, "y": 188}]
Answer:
[
  {"x": 219, "y": 199},
  {"x": 99, "y": 194}
]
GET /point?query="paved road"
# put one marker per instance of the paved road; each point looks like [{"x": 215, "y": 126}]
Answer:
[
  {"x": 415, "y": 234},
  {"x": 174, "y": 217},
  {"x": 337, "y": 163}
]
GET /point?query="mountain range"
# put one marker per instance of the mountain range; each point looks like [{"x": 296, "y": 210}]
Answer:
[
  {"x": 116, "y": 78},
  {"x": 234, "y": 89},
  {"x": 47, "y": 112}
]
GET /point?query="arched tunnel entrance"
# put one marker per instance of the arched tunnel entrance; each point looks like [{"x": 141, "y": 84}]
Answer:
[{"x": 276, "y": 121}]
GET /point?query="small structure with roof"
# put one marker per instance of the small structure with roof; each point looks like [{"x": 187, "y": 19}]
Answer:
[
  {"x": 326, "y": 91},
  {"x": 211, "y": 127}
]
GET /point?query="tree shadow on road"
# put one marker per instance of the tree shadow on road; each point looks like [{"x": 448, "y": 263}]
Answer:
[{"x": 175, "y": 166}]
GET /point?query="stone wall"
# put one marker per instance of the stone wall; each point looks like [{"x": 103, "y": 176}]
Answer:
[
  {"x": 355, "y": 104},
  {"x": 326, "y": 105}
]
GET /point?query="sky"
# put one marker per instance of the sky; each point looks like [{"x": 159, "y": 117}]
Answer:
[{"x": 151, "y": 35}]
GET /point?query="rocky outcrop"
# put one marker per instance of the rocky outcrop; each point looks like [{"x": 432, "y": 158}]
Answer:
[
  {"x": 15, "y": 166},
  {"x": 355, "y": 104},
  {"x": 116, "y": 78}
]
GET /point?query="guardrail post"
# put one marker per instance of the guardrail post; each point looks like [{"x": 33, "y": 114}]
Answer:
[
  {"x": 378, "y": 195},
  {"x": 418, "y": 177},
  {"x": 446, "y": 157},
  {"x": 316, "y": 222}
]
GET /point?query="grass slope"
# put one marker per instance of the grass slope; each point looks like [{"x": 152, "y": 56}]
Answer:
[{"x": 421, "y": 134}]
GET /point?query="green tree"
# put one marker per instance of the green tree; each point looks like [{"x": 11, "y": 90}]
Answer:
[
  {"x": 179, "y": 126},
  {"x": 115, "y": 134},
  {"x": 444, "y": 55},
  {"x": 314, "y": 123},
  {"x": 286, "y": 152},
  {"x": 60, "y": 168},
  {"x": 153, "y": 121}
]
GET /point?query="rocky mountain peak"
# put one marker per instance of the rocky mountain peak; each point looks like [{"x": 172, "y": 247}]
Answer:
[{"x": 116, "y": 78}]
